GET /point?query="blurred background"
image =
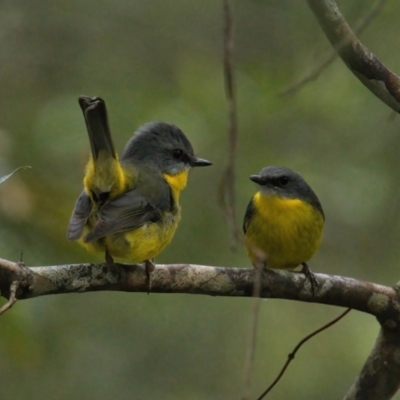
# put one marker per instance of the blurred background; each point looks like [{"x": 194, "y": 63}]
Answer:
[{"x": 162, "y": 60}]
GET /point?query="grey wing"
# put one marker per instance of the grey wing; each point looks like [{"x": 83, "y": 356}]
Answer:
[
  {"x": 128, "y": 211},
  {"x": 248, "y": 215},
  {"x": 79, "y": 217}
]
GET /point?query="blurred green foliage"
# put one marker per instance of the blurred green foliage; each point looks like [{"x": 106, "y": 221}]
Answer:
[{"x": 159, "y": 60}]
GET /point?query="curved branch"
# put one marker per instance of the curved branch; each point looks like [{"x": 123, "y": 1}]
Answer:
[
  {"x": 382, "y": 82},
  {"x": 317, "y": 70},
  {"x": 381, "y": 373},
  {"x": 378, "y": 300},
  {"x": 379, "y": 378}
]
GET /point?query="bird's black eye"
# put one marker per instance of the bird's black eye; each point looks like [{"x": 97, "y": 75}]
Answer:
[
  {"x": 284, "y": 180},
  {"x": 178, "y": 154}
]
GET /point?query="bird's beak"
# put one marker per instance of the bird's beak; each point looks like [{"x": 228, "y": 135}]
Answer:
[
  {"x": 199, "y": 162},
  {"x": 257, "y": 179}
]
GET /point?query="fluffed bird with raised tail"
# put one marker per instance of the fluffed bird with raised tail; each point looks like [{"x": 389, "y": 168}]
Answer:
[
  {"x": 284, "y": 221},
  {"x": 129, "y": 207}
]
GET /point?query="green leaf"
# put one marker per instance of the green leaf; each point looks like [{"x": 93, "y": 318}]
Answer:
[{"x": 4, "y": 178}]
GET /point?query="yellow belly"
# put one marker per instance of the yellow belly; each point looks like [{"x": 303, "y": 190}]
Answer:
[
  {"x": 284, "y": 232},
  {"x": 140, "y": 244},
  {"x": 143, "y": 243}
]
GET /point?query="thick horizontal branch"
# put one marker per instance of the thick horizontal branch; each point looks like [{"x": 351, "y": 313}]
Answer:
[
  {"x": 380, "y": 374},
  {"x": 365, "y": 65},
  {"x": 381, "y": 301}
]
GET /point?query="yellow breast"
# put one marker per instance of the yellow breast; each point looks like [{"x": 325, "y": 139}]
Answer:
[
  {"x": 285, "y": 231},
  {"x": 145, "y": 242},
  {"x": 177, "y": 183},
  {"x": 140, "y": 244}
]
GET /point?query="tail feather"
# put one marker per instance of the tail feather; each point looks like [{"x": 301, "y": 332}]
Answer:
[{"x": 95, "y": 113}]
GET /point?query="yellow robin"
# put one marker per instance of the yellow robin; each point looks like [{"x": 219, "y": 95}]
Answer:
[
  {"x": 129, "y": 207},
  {"x": 284, "y": 221}
]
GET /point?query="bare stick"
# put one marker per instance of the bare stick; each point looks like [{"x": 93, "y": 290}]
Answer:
[
  {"x": 316, "y": 71},
  {"x": 297, "y": 348},
  {"x": 12, "y": 299},
  {"x": 252, "y": 333},
  {"x": 226, "y": 193},
  {"x": 382, "y": 82}
]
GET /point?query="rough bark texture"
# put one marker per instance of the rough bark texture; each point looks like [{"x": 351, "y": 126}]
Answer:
[
  {"x": 378, "y": 300},
  {"x": 379, "y": 378}
]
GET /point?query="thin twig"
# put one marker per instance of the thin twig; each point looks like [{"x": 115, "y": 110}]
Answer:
[
  {"x": 4, "y": 178},
  {"x": 252, "y": 334},
  {"x": 12, "y": 299},
  {"x": 316, "y": 71},
  {"x": 259, "y": 267},
  {"x": 227, "y": 184},
  {"x": 293, "y": 353}
]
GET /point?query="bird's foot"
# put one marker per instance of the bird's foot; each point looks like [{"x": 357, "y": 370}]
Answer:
[
  {"x": 109, "y": 258},
  {"x": 310, "y": 277}
]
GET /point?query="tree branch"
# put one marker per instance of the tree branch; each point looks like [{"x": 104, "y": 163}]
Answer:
[
  {"x": 381, "y": 301},
  {"x": 381, "y": 373},
  {"x": 317, "y": 70},
  {"x": 383, "y": 83},
  {"x": 379, "y": 378}
]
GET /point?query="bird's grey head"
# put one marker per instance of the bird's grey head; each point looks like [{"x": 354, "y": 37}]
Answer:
[
  {"x": 283, "y": 182},
  {"x": 164, "y": 146}
]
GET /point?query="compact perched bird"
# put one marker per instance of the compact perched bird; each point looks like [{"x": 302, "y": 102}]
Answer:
[
  {"x": 283, "y": 222},
  {"x": 129, "y": 208}
]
